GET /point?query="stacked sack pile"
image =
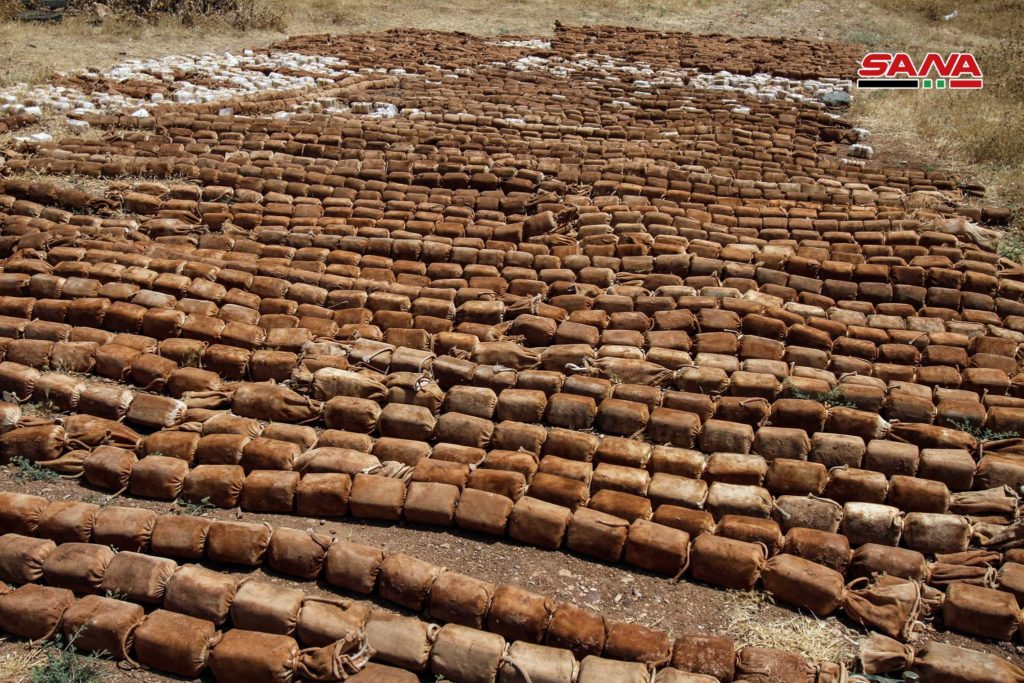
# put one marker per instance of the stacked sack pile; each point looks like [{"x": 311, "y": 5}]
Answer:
[{"x": 574, "y": 292}]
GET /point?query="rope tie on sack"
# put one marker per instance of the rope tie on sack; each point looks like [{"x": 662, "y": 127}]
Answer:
[{"x": 519, "y": 669}]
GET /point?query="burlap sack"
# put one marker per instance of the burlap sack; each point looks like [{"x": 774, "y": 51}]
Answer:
[
  {"x": 323, "y": 621},
  {"x": 34, "y": 612},
  {"x": 266, "y": 607},
  {"x": 402, "y": 641},
  {"x": 138, "y": 578},
  {"x": 537, "y": 664},
  {"x": 174, "y": 643},
  {"x": 77, "y": 566},
  {"x": 597, "y": 670},
  {"x": 297, "y": 553},
  {"x": 102, "y": 625},
  {"x": 124, "y": 528},
  {"x": 980, "y": 611},
  {"x": 465, "y": 654},
  {"x": 238, "y": 542},
  {"x": 803, "y": 583},
  {"x": 578, "y": 630},
  {"x": 251, "y": 657},
  {"x": 353, "y": 567},
  {"x": 888, "y": 604},
  {"x": 637, "y": 643},
  {"x": 725, "y": 562},
  {"x": 182, "y": 537},
  {"x": 703, "y": 654},
  {"x": 22, "y": 557},
  {"x": 20, "y": 513},
  {"x": 765, "y": 665},
  {"x": 459, "y": 599},
  {"x": 518, "y": 614},
  {"x": 201, "y": 593}
]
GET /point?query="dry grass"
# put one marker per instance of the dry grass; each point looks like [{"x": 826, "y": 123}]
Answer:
[
  {"x": 17, "y": 661},
  {"x": 753, "y": 619}
]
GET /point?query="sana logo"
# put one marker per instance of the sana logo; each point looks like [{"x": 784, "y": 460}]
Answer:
[{"x": 955, "y": 71}]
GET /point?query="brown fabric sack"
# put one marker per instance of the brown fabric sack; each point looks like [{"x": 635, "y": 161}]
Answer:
[
  {"x": 539, "y": 523},
  {"x": 597, "y": 534},
  {"x": 183, "y": 536},
  {"x": 703, "y": 654},
  {"x": 174, "y": 643},
  {"x": 297, "y": 553},
  {"x": 889, "y": 604},
  {"x": 251, "y": 657},
  {"x": 559, "y": 490},
  {"x": 102, "y": 625},
  {"x": 377, "y": 497},
  {"x": 541, "y": 663},
  {"x": 20, "y": 513},
  {"x": 201, "y": 593},
  {"x": 466, "y": 654},
  {"x": 581, "y": 631},
  {"x": 751, "y": 530},
  {"x": 138, "y": 578},
  {"x": 827, "y": 549},
  {"x": 725, "y": 562},
  {"x": 358, "y": 415},
  {"x": 870, "y": 523},
  {"x": 238, "y": 542},
  {"x": 804, "y": 584},
  {"x": 22, "y": 557},
  {"x": 323, "y": 621},
  {"x": 942, "y": 663},
  {"x": 636, "y": 643},
  {"x": 980, "y": 611},
  {"x": 809, "y": 512},
  {"x": 77, "y": 566},
  {"x": 157, "y": 476},
  {"x": 597, "y": 670},
  {"x": 518, "y": 614},
  {"x": 124, "y": 528},
  {"x": 34, "y": 612},
  {"x": 402, "y": 641},
  {"x": 353, "y": 567},
  {"x": 872, "y": 558},
  {"x": 274, "y": 403},
  {"x": 732, "y": 499},
  {"x": 459, "y": 599},
  {"x": 483, "y": 512},
  {"x": 270, "y": 491},
  {"x": 933, "y": 533},
  {"x": 219, "y": 485},
  {"x": 764, "y": 665},
  {"x": 266, "y": 607},
  {"x": 431, "y": 503},
  {"x": 109, "y": 468},
  {"x": 657, "y": 548},
  {"x": 323, "y": 494},
  {"x": 406, "y": 580}
]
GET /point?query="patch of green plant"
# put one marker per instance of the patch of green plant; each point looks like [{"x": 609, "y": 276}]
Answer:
[
  {"x": 62, "y": 664},
  {"x": 29, "y": 471},
  {"x": 834, "y": 398},
  {"x": 1011, "y": 246},
  {"x": 980, "y": 433},
  {"x": 183, "y": 507}
]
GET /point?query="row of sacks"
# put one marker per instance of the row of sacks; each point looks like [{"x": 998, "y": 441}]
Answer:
[
  {"x": 425, "y": 262},
  {"x": 225, "y": 451},
  {"x": 175, "y": 642},
  {"x": 666, "y": 299},
  {"x": 936, "y": 662},
  {"x": 892, "y": 604},
  {"x": 506, "y": 611},
  {"x": 608, "y": 530},
  {"x": 181, "y": 645}
]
